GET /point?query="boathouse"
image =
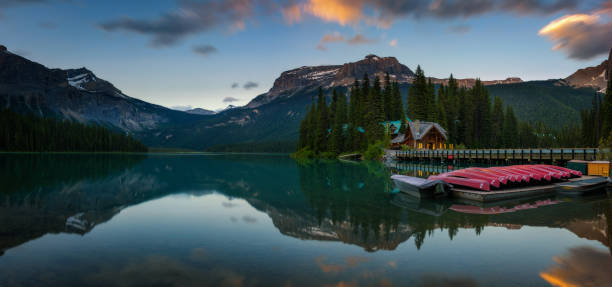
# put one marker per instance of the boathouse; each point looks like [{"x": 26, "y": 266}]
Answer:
[{"x": 419, "y": 135}]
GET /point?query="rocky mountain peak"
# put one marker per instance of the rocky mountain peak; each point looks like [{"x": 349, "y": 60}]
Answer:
[
  {"x": 334, "y": 75},
  {"x": 593, "y": 77},
  {"x": 85, "y": 80}
]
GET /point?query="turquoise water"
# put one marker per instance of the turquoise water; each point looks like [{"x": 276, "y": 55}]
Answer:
[{"x": 265, "y": 220}]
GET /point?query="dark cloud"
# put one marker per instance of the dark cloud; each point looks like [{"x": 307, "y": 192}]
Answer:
[
  {"x": 382, "y": 13},
  {"x": 538, "y": 6},
  {"x": 190, "y": 18},
  {"x": 235, "y": 85},
  {"x": 250, "y": 85},
  {"x": 230, "y": 100},
  {"x": 460, "y": 29},
  {"x": 204, "y": 50},
  {"x": 468, "y": 8},
  {"x": 582, "y": 36},
  {"x": 228, "y": 204}
]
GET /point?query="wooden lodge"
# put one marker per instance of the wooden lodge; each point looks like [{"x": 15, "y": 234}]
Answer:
[{"x": 419, "y": 135}]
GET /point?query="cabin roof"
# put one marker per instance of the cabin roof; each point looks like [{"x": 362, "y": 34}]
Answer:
[{"x": 419, "y": 130}]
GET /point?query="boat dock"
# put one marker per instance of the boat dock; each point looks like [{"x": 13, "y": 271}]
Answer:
[
  {"x": 512, "y": 193},
  {"x": 499, "y": 155}
]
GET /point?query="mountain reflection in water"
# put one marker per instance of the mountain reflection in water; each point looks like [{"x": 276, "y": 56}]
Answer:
[{"x": 105, "y": 199}]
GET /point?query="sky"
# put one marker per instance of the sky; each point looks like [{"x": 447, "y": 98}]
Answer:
[{"x": 209, "y": 54}]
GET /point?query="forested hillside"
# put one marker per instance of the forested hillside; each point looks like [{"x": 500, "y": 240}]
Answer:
[
  {"x": 550, "y": 102},
  {"x": 32, "y": 133}
]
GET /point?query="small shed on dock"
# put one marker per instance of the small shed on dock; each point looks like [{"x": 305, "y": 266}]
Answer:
[{"x": 421, "y": 135}]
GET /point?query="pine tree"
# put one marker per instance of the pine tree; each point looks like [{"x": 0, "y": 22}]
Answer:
[
  {"x": 337, "y": 134},
  {"x": 430, "y": 102},
  {"x": 607, "y": 109},
  {"x": 417, "y": 96},
  {"x": 510, "y": 130},
  {"x": 375, "y": 114},
  {"x": 397, "y": 104},
  {"x": 322, "y": 129},
  {"x": 497, "y": 121},
  {"x": 451, "y": 109},
  {"x": 388, "y": 98}
]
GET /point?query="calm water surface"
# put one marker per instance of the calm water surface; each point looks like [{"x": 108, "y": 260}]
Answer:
[{"x": 237, "y": 220}]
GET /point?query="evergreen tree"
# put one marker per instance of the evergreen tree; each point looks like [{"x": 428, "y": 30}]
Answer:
[
  {"x": 497, "y": 122},
  {"x": 430, "y": 102},
  {"x": 353, "y": 119},
  {"x": 607, "y": 109},
  {"x": 31, "y": 133},
  {"x": 337, "y": 135},
  {"x": 388, "y": 99},
  {"x": 451, "y": 108},
  {"x": 375, "y": 114},
  {"x": 397, "y": 104},
  {"x": 417, "y": 96},
  {"x": 322, "y": 129},
  {"x": 510, "y": 130}
]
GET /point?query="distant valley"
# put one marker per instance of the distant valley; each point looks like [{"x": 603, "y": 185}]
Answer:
[{"x": 77, "y": 94}]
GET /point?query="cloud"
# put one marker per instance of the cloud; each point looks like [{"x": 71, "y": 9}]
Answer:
[
  {"x": 249, "y": 219},
  {"x": 382, "y": 13},
  {"x": 193, "y": 17},
  {"x": 235, "y": 85},
  {"x": 190, "y": 18},
  {"x": 361, "y": 39},
  {"x": 582, "y": 266},
  {"x": 204, "y": 50},
  {"x": 292, "y": 13},
  {"x": 342, "y": 12},
  {"x": 182, "y": 108},
  {"x": 582, "y": 36},
  {"x": 393, "y": 43},
  {"x": 460, "y": 29},
  {"x": 230, "y": 100},
  {"x": 250, "y": 85},
  {"x": 336, "y": 37},
  {"x": 330, "y": 38}
]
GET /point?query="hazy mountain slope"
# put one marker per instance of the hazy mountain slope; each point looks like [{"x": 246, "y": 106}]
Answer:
[{"x": 77, "y": 94}]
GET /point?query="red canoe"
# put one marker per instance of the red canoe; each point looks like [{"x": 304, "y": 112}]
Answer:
[
  {"x": 574, "y": 173},
  {"x": 461, "y": 181},
  {"x": 509, "y": 177},
  {"x": 493, "y": 181}
]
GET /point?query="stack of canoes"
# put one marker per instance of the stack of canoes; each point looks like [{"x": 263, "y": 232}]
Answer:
[{"x": 504, "y": 176}]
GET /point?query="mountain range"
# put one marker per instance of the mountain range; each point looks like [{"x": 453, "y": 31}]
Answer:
[{"x": 78, "y": 94}]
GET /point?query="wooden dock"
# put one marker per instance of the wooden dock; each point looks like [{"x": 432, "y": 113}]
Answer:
[
  {"x": 498, "y": 155},
  {"x": 510, "y": 193}
]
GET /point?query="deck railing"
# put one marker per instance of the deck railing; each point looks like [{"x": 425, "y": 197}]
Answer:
[{"x": 538, "y": 154}]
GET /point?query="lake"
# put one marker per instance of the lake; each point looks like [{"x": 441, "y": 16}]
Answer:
[{"x": 267, "y": 220}]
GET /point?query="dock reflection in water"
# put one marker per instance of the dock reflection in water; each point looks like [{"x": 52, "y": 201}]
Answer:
[{"x": 238, "y": 220}]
